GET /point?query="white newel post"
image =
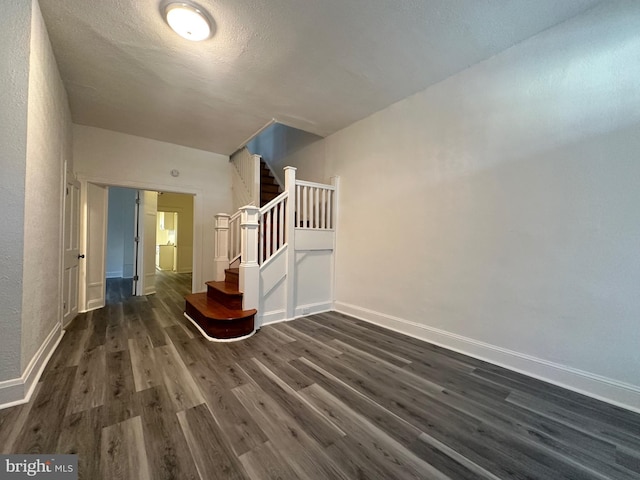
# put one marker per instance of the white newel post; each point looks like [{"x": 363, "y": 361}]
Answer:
[
  {"x": 249, "y": 267},
  {"x": 290, "y": 186},
  {"x": 221, "y": 246},
  {"x": 335, "y": 181}
]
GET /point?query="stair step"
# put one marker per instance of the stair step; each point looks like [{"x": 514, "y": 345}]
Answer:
[
  {"x": 266, "y": 197},
  {"x": 232, "y": 276},
  {"x": 226, "y": 294},
  {"x": 217, "y": 320},
  {"x": 270, "y": 187}
]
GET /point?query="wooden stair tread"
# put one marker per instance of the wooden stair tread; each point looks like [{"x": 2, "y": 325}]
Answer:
[
  {"x": 225, "y": 287},
  {"x": 214, "y": 310}
]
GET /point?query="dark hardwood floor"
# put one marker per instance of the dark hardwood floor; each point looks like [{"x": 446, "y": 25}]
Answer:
[{"x": 137, "y": 393}]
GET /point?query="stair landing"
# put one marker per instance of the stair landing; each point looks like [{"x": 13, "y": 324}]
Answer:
[{"x": 218, "y": 313}]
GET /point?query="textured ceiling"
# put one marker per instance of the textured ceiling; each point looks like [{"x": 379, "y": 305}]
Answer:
[{"x": 317, "y": 65}]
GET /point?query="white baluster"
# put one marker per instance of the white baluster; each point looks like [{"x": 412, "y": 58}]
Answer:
[
  {"x": 261, "y": 244},
  {"x": 235, "y": 230},
  {"x": 268, "y": 233},
  {"x": 323, "y": 208},
  {"x": 298, "y": 211},
  {"x": 274, "y": 229},
  {"x": 281, "y": 224},
  {"x": 305, "y": 211},
  {"x": 316, "y": 206}
]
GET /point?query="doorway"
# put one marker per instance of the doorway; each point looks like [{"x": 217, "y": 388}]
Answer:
[
  {"x": 130, "y": 241},
  {"x": 141, "y": 223},
  {"x": 175, "y": 232},
  {"x": 94, "y": 218},
  {"x": 120, "y": 246},
  {"x": 71, "y": 250}
]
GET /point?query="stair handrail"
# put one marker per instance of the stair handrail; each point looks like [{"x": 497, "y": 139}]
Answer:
[
  {"x": 272, "y": 236},
  {"x": 269, "y": 205},
  {"x": 271, "y": 233}
]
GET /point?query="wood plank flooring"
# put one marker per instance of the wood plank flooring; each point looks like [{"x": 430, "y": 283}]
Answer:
[{"x": 136, "y": 392}]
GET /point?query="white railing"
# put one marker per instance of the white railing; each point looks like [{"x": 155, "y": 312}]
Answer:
[
  {"x": 256, "y": 235},
  {"x": 272, "y": 235},
  {"x": 235, "y": 243},
  {"x": 315, "y": 207},
  {"x": 245, "y": 182}
]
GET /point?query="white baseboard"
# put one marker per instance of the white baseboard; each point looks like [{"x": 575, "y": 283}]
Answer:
[
  {"x": 278, "y": 316},
  {"x": 275, "y": 316},
  {"x": 19, "y": 390},
  {"x": 602, "y": 388},
  {"x": 313, "y": 308}
]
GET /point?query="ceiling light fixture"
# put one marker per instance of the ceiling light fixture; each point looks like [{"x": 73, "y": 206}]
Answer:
[{"x": 188, "y": 20}]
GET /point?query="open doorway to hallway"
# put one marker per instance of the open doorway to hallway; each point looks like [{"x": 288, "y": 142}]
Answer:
[
  {"x": 121, "y": 232},
  {"x": 147, "y": 232},
  {"x": 174, "y": 234}
]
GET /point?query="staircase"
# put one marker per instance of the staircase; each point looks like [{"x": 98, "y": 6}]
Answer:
[
  {"x": 264, "y": 241},
  {"x": 218, "y": 313},
  {"x": 269, "y": 188}
]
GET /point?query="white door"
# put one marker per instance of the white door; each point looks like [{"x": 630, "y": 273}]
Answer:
[
  {"x": 71, "y": 252},
  {"x": 95, "y": 198},
  {"x": 147, "y": 212}
]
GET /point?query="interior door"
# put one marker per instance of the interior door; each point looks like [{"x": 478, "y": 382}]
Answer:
[
  {"x": 71, "y": 252},
  {"x": 94, "y": 245},
  {"x": 147, "y": 212}
]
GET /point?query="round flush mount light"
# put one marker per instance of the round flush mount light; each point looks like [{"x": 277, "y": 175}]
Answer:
[{"x": 188, "y": 20}]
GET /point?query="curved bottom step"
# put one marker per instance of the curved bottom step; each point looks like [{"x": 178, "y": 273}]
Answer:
[
  {"x": 212, "y": 339},
  {"x": 216, "y": 321}
]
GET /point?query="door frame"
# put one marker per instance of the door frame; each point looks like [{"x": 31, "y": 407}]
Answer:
[
  {"x": 141, "y": 285},
  {"x": 85, "y": 248},
  {"x": 199, "y": 222},
  {"x": 75, "y": 219},
  {"x": 179, "y": 211}
]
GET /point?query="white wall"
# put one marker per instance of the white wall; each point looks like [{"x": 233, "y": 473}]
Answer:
[
  {"x": 281, "y": 146},
  {"x": 48, "y": 146},
  {"x": 121, "y": 232},
  {"x": 14, "y": 67},
  {"x": 35, "y": 134},
  {"x": 113, "y": 158},
  {"x": 498, "y": 212}
]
